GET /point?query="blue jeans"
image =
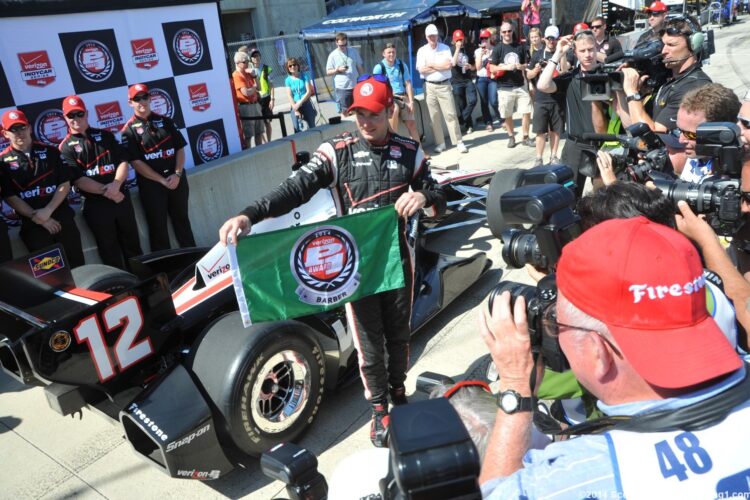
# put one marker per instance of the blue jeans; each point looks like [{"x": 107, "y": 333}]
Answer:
[
  {"x": 308, "y": 114},
  {"x": 465, "y": 97},
  {"x": 487, "y": 88}
]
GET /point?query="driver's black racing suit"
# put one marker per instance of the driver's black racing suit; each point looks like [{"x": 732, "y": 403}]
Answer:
[{"x": 363, "y": 176}]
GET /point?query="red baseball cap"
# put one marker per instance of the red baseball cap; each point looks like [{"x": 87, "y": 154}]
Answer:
[
  {"x": 373, "y": 94},
  {"x": 14, "y": 117},
  {"x": 656, "y": 6},
  {"x": 645, "y": 282},
  {"x": 73, "y": 103},
  {"x": 458, "y": 35},
  {"x": 138, "y": 88},
  {"x": 580, "y": 27}
]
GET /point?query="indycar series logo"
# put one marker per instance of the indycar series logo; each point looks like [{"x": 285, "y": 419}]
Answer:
[
  {"x": 50, "y": 127},
  {"x": 36, "y": 68},
  {"x": 161, "y": 102},
  {"x": 199, "y": 99},
  {"x": 94, "y": 60},
  {"x": 209, "y": 145},
  {"x": 46, "y": 263},
  {"x": 144, "y": 53},
  {"x": 109, "y": 116},
  {"x": 324, "y": 261},
  {"x": 187, "y": 46}
]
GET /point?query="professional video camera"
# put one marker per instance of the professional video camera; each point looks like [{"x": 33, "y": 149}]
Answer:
[
  {"x": 718, "y": 196},
  {"x": 646, "y": 59},
  {"x": 431, "y": 456},
  {"x": 645, "y": 153}
]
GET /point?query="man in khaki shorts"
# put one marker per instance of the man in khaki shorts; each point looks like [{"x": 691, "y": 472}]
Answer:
[{"x": 509, "y": 59}]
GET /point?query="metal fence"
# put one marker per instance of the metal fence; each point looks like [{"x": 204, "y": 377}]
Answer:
[{"x": 274, "y": 52}]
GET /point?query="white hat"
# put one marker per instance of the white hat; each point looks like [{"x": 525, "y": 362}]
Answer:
[
  {"x": 431, "y": 29},
  {"x": 552, "y": 31}
]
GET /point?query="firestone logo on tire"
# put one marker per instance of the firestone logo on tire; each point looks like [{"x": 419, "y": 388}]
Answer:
[
  {"x": 188, "y": 47},
  {"x": 161, "y": 102},
  {"x": 50, "y": 127},
  {"x": 324, "y": 261},
  {"x": 209, "y": 145},
  {"x": 94, "y": 60}
]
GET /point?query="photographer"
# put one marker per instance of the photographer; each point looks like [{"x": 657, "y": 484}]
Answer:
[
  {"x": 581, "y": 116},
  {"x": 682, "y": 40},
  {"x": 645, "y": 348}
]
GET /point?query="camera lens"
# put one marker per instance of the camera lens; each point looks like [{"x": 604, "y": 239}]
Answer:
[
  {"x": 516, "y": 290},
  {"x": 521, "y": 248}
]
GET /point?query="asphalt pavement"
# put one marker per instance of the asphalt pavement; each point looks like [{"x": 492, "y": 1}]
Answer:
[{"x": 43, "y": 455}]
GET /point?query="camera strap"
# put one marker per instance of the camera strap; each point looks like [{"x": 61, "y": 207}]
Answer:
[{"x": 700, "y": 415}]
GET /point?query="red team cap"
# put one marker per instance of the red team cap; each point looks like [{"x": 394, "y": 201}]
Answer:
[
  {"x": 458, "y": 35},
  {"x": 373, "y": 94},
  {"x": 14, "y": 117},
  {"x": 580, "y": 27},
  {"x": 138, "y": 88},
  {"x": 72, "y": 103},
  {"x": 645, "y": 282},
  {"x": 656, "y": 6},
  {"x": 485, "y": 34}
]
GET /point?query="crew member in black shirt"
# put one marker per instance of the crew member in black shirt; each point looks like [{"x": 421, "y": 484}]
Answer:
[
  {"x": 462, "y": 80},
  {"x": 35, "y": 183},
  {"x": 608, "y": 48},
  {"x": 580, "y": 116},
  {"x": 509, "y": 57},
  {"x": 155, "y": 149},
  {"x": 99, "y": 168}
]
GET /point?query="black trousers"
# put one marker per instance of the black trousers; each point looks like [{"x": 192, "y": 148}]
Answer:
[
  {"x": 380, "y": 325},
  {"x": 6, "y": 253},
  {"x": 35, "y": 237},
  {"x": 465, "y": 97},
  {"x": 581, "y": 158},
  {"x": 158, "y": 204},
  {"x": 114, "y": 228}
]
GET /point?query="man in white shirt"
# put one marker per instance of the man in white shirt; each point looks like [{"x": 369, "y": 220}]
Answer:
[
  {"x": 434, "y": 62},
  {"x": 345, "y": 65}
]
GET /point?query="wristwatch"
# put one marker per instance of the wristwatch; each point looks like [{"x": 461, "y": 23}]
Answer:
[
  {"x": 634, "y": 97},
  {"x": 511, "y": 402}
]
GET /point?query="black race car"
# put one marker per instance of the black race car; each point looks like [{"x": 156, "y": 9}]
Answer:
[{"x": 164, "y": 351}]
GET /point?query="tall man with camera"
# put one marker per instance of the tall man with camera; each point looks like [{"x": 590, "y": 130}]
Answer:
[
  {"x": 682, "y": 40},
  {"x": 581, "y": 116},
  {"x": 637, "y": 335}
]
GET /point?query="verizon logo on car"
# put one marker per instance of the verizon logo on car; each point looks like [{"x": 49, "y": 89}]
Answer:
[
  {"x": 109, "y": 115},
  {"x": 199, "y": 99},
  {"x": 144, "y": 53},
  {"x": 162, "y": 153},
  {"x": 36, "y": 68}
]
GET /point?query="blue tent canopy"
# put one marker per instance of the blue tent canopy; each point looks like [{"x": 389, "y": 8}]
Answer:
[{"x": 368, "y": 18}]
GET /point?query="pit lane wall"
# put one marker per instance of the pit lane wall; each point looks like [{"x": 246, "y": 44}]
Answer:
[{"x": 219, "y": 189}]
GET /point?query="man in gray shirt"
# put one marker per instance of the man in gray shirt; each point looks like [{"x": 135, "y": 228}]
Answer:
[{"x": 345, "y": 65}]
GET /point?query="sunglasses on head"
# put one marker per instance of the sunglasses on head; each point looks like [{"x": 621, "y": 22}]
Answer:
[
  {"x": 18, "y": 128},
  {"x": 75, "y": 114},
  {"x": 378, "y": 78},
  {"x": 140, "y": 98},
  {"x": 744, "y": 121},
  {"x": 690, "y": 136}
]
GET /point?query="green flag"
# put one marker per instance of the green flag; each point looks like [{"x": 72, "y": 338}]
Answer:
[{"x": 312, "y": 268}]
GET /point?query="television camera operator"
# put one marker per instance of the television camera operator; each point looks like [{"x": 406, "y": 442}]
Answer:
[
  {"x": 619, "y": 318},
  {"x": 682, "y": 52}
]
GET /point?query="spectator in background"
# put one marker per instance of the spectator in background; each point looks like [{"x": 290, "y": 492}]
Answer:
[
  {"x": 345, "y": 65},
  {"x": 299, "y": 90},
  {"x": 35, "y": 183},
  {"x": 608, "y": 48},
  {"x": 657, "y": 14},
  {"x": 403, "y": 92},
  {"x": 533, "y": 45},
  {"x": 530, "y": 10},
  {"x": 246, "y": 92},
  {"x": 462, "y": 81},
  {"x": 265, "y": 89},
  {"x": 743, "y": 120},
  {"x": 434, "y": 62},
  {"x": 486, "y": 85},
  {"x": 509, "y": 57}
]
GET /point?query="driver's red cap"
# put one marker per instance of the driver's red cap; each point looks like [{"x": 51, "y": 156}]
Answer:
[
  {"x": 72, "y": 103},
  {"x": 656, "y": 6},
  {"x": 138, "y": 88},
  {"x": 14, "y": 117},
  {"x": 645, "y": 282},
  {"x": 374, "y": 94}
]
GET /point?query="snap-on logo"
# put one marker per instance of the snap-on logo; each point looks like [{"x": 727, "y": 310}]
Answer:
[
  {"x": 144, "y": 53},
  {"x": 36, "y": 68},
  {"x": 188, "y": 439},
  {"x": 94, "y": 60},
  {"x": 658, "y": 292}
]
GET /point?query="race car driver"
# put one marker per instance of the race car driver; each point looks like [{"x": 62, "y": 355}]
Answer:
[
  {"x": 99, "y": 168},
  {"x": 35, "y": 183},
  {"x": 369, "y": 168},
  {"x": 155, "y": 149}
]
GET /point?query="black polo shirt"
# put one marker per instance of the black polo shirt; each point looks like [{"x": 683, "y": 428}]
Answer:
[
  {"x": 154, "y": 141},
  {"x": 543, "y": 97},
  {"x": 94, "y": 154},
  {"x": 578, "y": 114},
  {"x": 670, "y": 94},
  {"x": 35, "y": 177},
  {"x": 513, "y": 53},
  {"x": 457, "y": 74}
]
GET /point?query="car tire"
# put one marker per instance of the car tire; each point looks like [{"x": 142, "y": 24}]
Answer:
[
  {"x": 266, "y": 382},
  {"x": 101, "y": 278},
  {"x": 502, "y": 182}
]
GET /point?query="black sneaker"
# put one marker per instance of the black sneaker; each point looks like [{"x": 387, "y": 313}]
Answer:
[
  {"x": 398, "y": 396},
  {"x": 512, "y": 142},
  {"x": 379, "y": 426},
  {"x": 528, "y": 141}
]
